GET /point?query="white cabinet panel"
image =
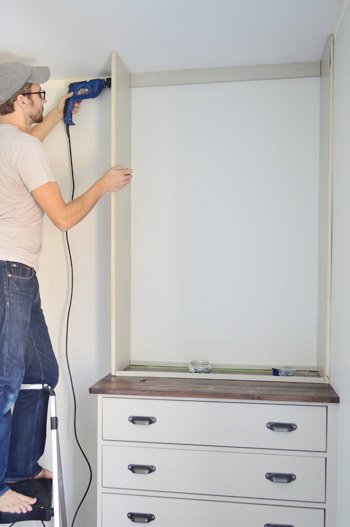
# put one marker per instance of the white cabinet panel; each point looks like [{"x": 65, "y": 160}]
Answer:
[
  {"x": 213, "y": 472},
  {"x": 216, "y": 423},
  {"x": 123, "y": 510}
]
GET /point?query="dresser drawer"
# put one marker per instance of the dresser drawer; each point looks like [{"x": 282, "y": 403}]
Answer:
[
  {"x": 272, "y": 426},
  {"x": 220, "y": 473},
  {"x": 124, "y": 510}
]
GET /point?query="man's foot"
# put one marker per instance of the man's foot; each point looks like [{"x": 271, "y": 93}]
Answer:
[
  {"x": 45, "y": 473},
  {"x": 14, "y": 502}
]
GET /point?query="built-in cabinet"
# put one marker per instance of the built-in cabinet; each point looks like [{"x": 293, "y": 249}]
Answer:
[
  {"x": 197, "y": 450},
  {"x": 221, "y": 246}
]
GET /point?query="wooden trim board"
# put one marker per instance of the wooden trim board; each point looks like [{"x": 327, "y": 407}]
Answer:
[
  {"x": 233, "y": 74},
  {"x": 215, "y": 389}
]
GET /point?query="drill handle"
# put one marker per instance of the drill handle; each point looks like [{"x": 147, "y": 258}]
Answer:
[{"x": 68, "y": 107}]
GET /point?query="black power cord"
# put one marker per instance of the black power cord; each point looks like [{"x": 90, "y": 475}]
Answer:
[{"x": 67, "y": 332}]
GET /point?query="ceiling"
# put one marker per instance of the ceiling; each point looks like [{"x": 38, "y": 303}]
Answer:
[{"x": 75, "y": 37}]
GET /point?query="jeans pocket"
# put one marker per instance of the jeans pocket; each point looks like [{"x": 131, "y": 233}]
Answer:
[{"x": 21, "y": 271}]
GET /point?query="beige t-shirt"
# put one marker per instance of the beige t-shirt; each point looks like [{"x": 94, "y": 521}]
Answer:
[{"x": 24, "y": 166}]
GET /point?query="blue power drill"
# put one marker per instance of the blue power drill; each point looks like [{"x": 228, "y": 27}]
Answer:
[{"x": 83, "y": 90}]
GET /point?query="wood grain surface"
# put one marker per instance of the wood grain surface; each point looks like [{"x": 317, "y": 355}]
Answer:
[{"x": 216, "y": 389}]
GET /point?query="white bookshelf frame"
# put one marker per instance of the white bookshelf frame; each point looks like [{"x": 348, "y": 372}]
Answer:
[{"x": 122, "y": 82}]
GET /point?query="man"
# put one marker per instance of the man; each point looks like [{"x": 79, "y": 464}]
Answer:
[{"x": 27, "y": 190}]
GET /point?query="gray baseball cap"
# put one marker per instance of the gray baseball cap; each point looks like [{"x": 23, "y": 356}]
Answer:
[{"x": 14, "y": 75}]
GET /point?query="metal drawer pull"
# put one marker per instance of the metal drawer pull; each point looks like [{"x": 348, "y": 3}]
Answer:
[
  {"x": 281, "y": 427},
  {"x": 142, "y": 420},
  {"x": 277, "y": 525},
  {"x": 139, "y": 517},
  {"x": 141, "y": 469},
  {"x": 276, "y": 477}
]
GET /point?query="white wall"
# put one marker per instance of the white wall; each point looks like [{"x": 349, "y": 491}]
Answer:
[
  {"x": 225, "y": 222},
  {"x": 89, "y": 336},
  {"x": 340, "y": 321}
]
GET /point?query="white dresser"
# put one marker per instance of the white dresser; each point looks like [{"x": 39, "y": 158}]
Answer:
[{"x": 188, "y": 453}]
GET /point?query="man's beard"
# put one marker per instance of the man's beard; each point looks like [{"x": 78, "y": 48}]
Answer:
[{"x": 37, "y": 117}]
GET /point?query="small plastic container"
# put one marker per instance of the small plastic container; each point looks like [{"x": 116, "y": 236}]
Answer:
[
  {"x": 199, "y": 366},
  {"x": 286, "y": 371}
]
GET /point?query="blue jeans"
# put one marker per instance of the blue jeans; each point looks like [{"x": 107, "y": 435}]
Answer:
[{"x": 26, "y": 356}]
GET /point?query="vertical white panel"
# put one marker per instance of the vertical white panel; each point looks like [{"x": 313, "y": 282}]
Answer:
[
  {"x": 325, "y": 214},
  {"x": 340, "y": 335},
  {"x": 225, "y": 222},
  {"x": 120, "y": 218}
]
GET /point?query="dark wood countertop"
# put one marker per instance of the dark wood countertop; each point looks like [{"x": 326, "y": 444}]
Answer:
[{"x": 216, "y": 389}]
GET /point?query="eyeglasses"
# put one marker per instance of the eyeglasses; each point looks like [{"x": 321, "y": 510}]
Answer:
[{"x": 42, "y": 94}]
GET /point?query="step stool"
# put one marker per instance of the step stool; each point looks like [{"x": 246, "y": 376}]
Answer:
[{"x": 45, "y": 490}]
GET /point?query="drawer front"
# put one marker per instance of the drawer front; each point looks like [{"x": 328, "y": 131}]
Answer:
[
  {"x": 277, "y": 477},
  {"x": 274, "y": 426},
  {"x": 125, "y": 511}
]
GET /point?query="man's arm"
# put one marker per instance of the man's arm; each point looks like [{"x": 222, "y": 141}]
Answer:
[
  {"x": 43, "y": 129},
  {"x": 66, "y": 215}
]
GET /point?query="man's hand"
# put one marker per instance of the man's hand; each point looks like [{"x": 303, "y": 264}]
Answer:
[
  {"x": 116, "y": 178},
  {"x": 62, "y": 101}
]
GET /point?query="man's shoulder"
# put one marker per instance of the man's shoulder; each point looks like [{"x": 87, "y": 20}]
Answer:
[
  {"x": 15, "y": 139},
  {"x": 12, "y": 131}
]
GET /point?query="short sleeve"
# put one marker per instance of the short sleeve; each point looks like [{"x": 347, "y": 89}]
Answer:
[{"x": 32, "y": 164}]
